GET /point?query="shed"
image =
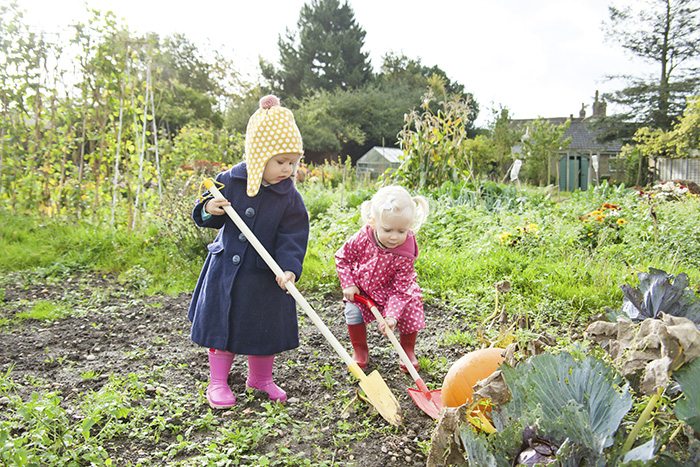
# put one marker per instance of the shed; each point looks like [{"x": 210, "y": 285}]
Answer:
[
  {"x": 377, "y": 160},
  {"x": 575, "y": 168}
]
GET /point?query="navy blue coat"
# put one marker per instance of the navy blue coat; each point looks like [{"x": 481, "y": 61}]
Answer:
[{"x": 237, "y": 304}]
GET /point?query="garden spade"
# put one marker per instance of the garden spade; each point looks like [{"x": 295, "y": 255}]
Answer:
[
  {"x": 374, "y": 386},
  {"x": 428, "y": 401}
]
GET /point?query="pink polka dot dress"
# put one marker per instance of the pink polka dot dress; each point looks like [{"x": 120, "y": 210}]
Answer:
[{"x": 386, "y": 275}]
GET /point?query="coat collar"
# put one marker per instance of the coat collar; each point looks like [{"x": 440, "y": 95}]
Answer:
[
  {"x": 240, "y": 171},
  {"x": 409, "y": 248}
]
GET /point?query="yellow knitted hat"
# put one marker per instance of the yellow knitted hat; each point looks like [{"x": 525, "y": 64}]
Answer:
[{"x": 271, "y": 131}]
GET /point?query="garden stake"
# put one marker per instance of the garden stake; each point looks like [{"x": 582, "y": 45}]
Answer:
[
  {"x": 428, "y": 401},
  {"x": 374, "y": 386}
]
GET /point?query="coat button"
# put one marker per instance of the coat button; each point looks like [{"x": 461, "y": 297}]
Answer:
[
  {"x": 241, "y": 237},
  {"x": 236, "y": 259},
  {"x": 250, "y": 212}
]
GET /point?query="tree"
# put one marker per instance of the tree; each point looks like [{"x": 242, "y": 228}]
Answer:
[
  {"x": 190, "y": 85},
  {"x": 503, "y": 138},
  {"x": 664, "y": 33},
  {"x": 542, "y": 143},
  {"x": 399, "y": 70},
  {"x": 681, "y": 141},
  {"x": 328, "y": 54}
]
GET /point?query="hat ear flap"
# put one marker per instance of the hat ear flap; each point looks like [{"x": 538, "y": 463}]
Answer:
[{"x": 255, "y": 175}]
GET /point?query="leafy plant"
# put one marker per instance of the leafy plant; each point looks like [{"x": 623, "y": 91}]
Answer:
[
  {"x": 521, "y": 236},
  {"x": 44, "y": 310},
  {"x": 659, "y": 292},
  {"x": 688, "y": 408},
  {"x": 602, "y": 225},
  {"x": 571, "y": 407},
  {"x": 433, "y": 143}
]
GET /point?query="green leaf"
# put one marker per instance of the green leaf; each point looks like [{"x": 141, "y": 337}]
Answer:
[
  {"x": 478, "y": 450},
  {"x": 643, "y": 453},
  {"x": 562, "y": 388},
  {"x": 688, "y": 408}
]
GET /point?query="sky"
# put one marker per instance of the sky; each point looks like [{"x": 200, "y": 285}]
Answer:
[{"x": 536, "y": 57}]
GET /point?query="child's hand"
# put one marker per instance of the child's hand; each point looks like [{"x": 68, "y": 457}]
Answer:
[
  {"x": 350, "y": 292},
  {"x": 215, "y": 206},
  {"x": 288, "y": 276},
  {"x": 390, "y": 323}
]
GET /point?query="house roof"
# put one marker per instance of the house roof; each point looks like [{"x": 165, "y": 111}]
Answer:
[
  {"x": 379, "y": 152},
  {"x": 582, "y": 133}
]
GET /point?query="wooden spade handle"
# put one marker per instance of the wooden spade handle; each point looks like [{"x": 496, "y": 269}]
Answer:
[{"x": 291, "y": 288}]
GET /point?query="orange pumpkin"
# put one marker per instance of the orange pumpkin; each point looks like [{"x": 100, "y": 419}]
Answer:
[{"x": 465, "y": 372}]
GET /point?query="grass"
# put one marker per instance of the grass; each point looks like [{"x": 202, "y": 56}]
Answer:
[
  {"x": 557, "y": 282},
  {"x": 42, "y": 429},
  {"x": 44, "y": 310},
  {"x": 148, "y": 259}
]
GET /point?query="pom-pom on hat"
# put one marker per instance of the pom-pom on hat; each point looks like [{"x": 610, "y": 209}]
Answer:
[{"x": 271, "y": 131}]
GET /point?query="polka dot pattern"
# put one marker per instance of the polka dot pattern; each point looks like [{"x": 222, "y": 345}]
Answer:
[
  {"x": 387, "y": 277},
  {"x": 269, "y": 132}
]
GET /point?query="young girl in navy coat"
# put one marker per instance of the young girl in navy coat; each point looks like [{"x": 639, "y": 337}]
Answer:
[{"x": 238, "y": 305}]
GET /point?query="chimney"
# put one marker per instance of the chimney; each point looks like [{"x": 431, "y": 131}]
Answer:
[
  {"x": 599, "y": 106},
  {"x": 582, "y": 112}
]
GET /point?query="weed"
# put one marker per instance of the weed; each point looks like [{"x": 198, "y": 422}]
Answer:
[
  {"x": 159, "y": 341},
  {"x": 44, "y": 310},
  {"x": 89, "y": 375},
  {"x": 327, "y": 373},
  {"x": 461, "y": 338},
  {"x": 135, "y": 354},
  {"x": 433, "y": 367}
]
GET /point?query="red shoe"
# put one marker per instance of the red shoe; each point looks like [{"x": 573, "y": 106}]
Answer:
[
  {"x": 408, "y": 343},
  {"x": 358, "y": 338}
]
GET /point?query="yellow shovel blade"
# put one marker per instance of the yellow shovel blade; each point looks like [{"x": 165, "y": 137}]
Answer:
[{"x": 379, "y": 394}]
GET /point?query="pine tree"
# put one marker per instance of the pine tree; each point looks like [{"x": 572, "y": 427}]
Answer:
[
  {"x": 328, "y": 54},
  {"x": 665, "y": 33}
]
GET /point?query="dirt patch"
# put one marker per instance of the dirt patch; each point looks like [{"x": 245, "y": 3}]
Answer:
[{"x": 114, "y": 331}]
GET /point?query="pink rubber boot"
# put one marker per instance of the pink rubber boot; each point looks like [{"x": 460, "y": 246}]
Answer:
[
  {"x": 260, "y": 377},
  {"x": 219, "y": 394}
]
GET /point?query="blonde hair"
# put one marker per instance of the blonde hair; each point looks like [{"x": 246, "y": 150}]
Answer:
[{"x": 395, "y": 200}]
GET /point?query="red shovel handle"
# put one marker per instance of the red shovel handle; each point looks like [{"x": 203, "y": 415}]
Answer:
[{"x": 366, "y": 301}]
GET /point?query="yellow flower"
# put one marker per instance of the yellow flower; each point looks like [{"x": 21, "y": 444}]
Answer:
[
  {"x": 532, "y": 227},
  {"x": 621, "y": 221},
  {"x": 504, "y": 237}
]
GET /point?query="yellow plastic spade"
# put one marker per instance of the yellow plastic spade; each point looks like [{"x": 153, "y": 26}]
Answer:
[{"x": 374, "y": 386}]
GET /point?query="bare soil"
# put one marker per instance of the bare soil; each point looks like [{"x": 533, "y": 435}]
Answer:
[{"x": 117, "y": 331}]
